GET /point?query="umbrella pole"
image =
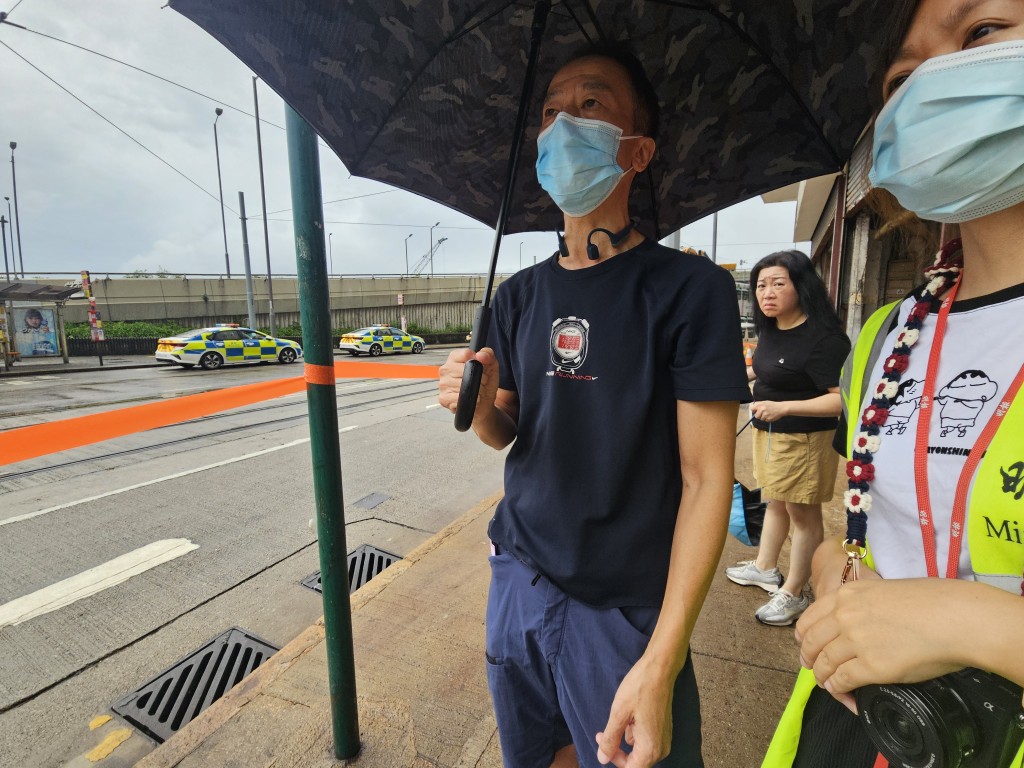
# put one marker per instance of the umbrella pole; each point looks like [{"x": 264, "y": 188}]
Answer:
[
  {"x": 482, "y": 322},
  {"x": 315, "y": 310}
]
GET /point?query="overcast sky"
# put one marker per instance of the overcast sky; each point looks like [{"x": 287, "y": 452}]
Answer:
[{"x": 90, "y": 197}]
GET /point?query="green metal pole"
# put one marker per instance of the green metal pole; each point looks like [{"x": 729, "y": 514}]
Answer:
[{"x": 314, "y": 306}]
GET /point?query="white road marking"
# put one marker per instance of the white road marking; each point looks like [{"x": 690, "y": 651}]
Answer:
[
  {"x": 254, "y": 454},
  {"x": 92, "y": 581},
  {"x": 30, "y": 515}
]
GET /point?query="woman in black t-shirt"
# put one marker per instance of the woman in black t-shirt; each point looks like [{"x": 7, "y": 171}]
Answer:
[{"x": 800, "y": 352}]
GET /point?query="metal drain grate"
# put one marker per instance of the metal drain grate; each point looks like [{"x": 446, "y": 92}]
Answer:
[
  {"x": 177, "y": 695},
  {"x": 364, "y": 563}
]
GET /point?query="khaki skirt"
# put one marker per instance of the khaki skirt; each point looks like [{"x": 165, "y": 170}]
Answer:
[{"x": 795, "y": 466}]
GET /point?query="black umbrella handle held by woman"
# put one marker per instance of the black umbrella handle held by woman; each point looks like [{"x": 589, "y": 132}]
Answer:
[{"x": 470, "y": 388}]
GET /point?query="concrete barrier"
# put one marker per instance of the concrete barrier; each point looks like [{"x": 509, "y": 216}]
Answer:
[{"x": 432, "y": 302}]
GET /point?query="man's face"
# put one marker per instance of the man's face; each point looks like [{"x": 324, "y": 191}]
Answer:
[
  {"x": 947, "y": 26},
  {"x": 595, "y": 88}
]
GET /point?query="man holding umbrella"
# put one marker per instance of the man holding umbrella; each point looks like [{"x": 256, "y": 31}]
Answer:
[{"x": 614, "y": 370}]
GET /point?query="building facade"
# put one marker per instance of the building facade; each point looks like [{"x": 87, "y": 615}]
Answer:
[{"x": 867, "y": 249}]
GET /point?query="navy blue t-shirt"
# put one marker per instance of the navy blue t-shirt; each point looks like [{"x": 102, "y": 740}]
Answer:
[{"x": 598, "y": 357}]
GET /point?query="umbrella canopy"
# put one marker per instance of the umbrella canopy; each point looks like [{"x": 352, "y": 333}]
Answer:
[{"x": 755, "y": 94}]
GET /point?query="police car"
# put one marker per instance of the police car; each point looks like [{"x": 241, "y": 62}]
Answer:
[
  {"x": 225, "y": 344},
  {"x": 380, "y": 339}
]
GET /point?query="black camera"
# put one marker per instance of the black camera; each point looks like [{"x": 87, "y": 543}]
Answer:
[{"x": 966, "y": 719}]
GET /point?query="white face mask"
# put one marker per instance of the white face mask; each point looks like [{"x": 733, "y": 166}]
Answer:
[
  {"x": 950, "y": 144},
  {"x": 577, "y": 162}
]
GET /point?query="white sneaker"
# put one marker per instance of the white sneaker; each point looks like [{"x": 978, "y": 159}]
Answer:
[
  {"x": 782, "y": 610},
  {"x": 748, "y": 574}
]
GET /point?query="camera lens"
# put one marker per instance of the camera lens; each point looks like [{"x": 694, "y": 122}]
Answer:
[
  {"x": 918, "y": 726},
  {"x": 905, "y": 734}
]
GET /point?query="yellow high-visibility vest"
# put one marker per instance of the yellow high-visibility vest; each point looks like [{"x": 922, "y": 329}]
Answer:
[{"x": 995, "y": 513}]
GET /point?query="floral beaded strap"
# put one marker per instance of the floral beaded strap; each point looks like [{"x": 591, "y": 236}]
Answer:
[{"x": 860, "y": 470}]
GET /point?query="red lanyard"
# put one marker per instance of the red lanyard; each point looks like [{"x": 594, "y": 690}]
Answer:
[{"x": 924, "y": 422}]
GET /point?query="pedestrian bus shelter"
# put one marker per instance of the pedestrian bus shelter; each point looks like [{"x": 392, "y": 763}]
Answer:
[{"x": 32, "y": 320}]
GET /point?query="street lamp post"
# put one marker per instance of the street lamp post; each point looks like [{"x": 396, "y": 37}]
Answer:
[
  {"x": 5, "y": 343},
  {"x": 10, "y": 223},
  {"x": 432, "y": 248},
  {"x": 330, "y": 251},
  {"x": 407, "y": 254},
  {"x": 220, "y": 188},
  {"x": 17, "y": 216},
  {"x": 3, "y": 236},
  {"x": 263, "y": 201}
]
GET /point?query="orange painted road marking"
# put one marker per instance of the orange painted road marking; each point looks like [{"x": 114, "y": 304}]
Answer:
[{"x": 54, "y": 436}]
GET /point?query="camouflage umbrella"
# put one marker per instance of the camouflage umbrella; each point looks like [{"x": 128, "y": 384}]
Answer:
[
  {"x": 434, "y": 96},
  {"x": 422, "y": 94}
]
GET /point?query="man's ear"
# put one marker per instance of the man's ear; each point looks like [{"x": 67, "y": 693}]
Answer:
[{"x": 643, "y": 153}]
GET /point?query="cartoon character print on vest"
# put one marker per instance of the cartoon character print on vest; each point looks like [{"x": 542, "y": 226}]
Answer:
[
  {"x": 570, "y": 337},
  {"x": 962, "y": 399}
]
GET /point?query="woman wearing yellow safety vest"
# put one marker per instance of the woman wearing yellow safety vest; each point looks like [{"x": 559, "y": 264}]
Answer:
[{"x": 919, "y": 619}]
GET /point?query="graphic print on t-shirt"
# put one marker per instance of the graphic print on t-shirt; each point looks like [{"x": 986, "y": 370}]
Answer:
[
  {"x": 570, "y": 338},
  {"x": 962, "y": 399},
  {"x": 970, "y": 382},
  {"x": 905, "y": 405}
]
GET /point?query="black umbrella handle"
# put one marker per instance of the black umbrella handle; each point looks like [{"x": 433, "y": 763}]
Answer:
[
  {"x": 468, "y": 393},
  {"x": 473, "y": 373}
]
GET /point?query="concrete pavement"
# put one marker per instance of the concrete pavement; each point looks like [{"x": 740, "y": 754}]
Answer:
[
  {"x": 418, "y": 633},
  {"x": 50, "y": 365}
]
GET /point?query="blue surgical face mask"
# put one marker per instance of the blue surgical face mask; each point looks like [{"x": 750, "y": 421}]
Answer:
[
  {"x": 950, "y": 143},
  {"x": 577, "y": 162}
]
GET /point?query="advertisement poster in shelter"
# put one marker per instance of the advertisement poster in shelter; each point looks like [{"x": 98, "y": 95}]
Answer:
[{"x": 34, "y": 332}]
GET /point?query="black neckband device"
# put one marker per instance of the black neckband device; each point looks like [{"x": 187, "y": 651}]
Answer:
[{"x": 592, "y": 252}]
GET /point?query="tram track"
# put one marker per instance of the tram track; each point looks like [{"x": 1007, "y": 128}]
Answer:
[{"x": 411, "y": 390}]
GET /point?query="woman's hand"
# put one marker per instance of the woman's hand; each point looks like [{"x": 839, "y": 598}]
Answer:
[
  {"x": 769, "y": 410},
  {"x": 891, "y": 631}
]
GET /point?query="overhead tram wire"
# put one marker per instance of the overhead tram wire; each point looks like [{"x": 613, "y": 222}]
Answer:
[
  {"x": 194, "y": 92},
  {"x": 161, "y": 78},
  {"x": 117, "y": 127},
  {"x": 329, "y": 202}
]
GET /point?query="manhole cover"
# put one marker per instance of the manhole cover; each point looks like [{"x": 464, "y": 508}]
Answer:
[
  {"x": 364, "y": 563},
  {"x": 177, "y": 695}
]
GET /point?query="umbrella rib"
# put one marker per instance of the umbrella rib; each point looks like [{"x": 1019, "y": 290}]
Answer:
[
  {"x": 590, "y": 15},
  {"x": 770, "y": 62}
]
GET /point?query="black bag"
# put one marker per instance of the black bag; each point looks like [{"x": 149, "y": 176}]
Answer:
[{"x": 746, "y": 518}]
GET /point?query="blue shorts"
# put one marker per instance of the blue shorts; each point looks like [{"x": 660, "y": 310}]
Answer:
[{"x": 554, "y": 665}]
